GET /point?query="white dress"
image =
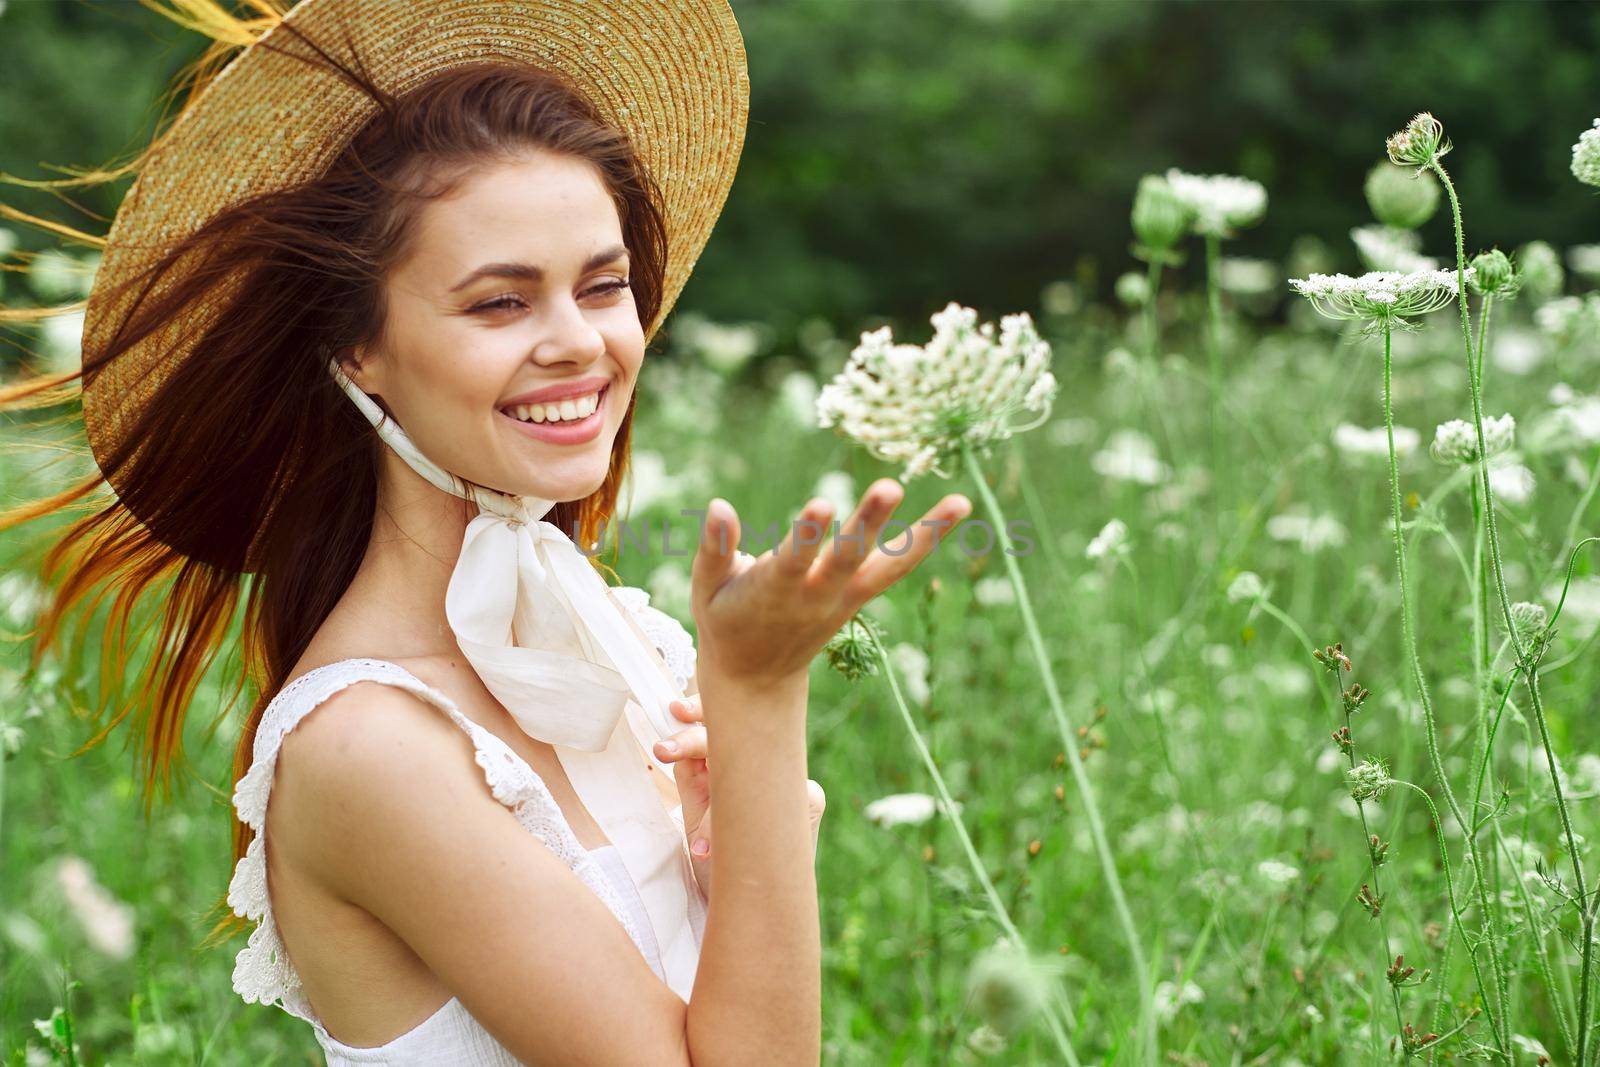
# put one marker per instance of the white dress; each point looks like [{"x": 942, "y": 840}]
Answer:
[{"x": 450, "y": 1036}]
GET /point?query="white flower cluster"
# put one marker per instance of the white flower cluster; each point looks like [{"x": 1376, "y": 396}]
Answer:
[
  {"x": 918, "y": 404},
  {"x": 1586, "y": 156},
  {"x": 1355, "y": 441},
  {"x": 1390, "y": 248},
  {"x": 899, "y": 809},
  {"x": 1112, "y": 540},
  {"x": 1384, "y": 298},
  {"x": 1456, "y": 441},
  {"x": 1220, "y": 203},
  {"x": 1247, "y": 588}
]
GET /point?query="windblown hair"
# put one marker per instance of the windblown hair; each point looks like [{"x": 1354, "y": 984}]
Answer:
[{"x": 253, "y": 442}]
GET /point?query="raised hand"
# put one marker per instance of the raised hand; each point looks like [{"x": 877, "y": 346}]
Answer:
[{"x": 761, "y": 619}]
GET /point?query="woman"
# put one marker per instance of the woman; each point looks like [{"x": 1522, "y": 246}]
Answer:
[{"x": 468, "y": 219}]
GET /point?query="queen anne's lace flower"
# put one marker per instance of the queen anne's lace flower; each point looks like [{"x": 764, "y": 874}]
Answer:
[
  {"x": 1388, "y": 248},
  {"x": 919, "y": 404},
  {"x": 1355, "y": 441},
  {"x": 1586, "y": 156},
  {"x": 1368, "y": 781},
  {"x": 1112, "y": 540},
  {"x": 1220, "y": 203},
  {"x": 1456, "y": 441},
  {"x": 1419, "y": 143},
  {"x": 1382, "y": 298},
  {"x": 903, "y": 809},
  {"x": 1247, "y": 588}
]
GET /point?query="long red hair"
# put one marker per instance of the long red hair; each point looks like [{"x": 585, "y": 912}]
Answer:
[{"x": 254, "y": 475}]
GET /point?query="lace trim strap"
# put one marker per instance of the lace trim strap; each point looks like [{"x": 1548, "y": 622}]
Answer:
[
  {"x": 262, "y": 971},
  {"x": 665, "y": 632}
]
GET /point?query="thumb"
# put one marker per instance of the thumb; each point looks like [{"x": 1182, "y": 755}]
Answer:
[{"x": 715, "y": 557}]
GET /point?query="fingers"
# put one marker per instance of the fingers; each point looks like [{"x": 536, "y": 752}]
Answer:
[
  {"x": 856, "y": 537},
  {"x": 800, "y": 547},
  {"x": 685, "y": 744},
  {"x": 700, "y": 847},
  {"x": 714, "y": 558},
  {"x": 687, "y": 709},
  {"x": 896, "y": 558},
  {"x": 816, "y": 799}
]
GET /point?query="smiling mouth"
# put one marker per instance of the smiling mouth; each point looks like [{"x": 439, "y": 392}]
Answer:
[{"x": 560, "y": 412}]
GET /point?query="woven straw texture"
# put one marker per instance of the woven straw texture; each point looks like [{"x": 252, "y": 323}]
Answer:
[{"x": 672, "y": 75}]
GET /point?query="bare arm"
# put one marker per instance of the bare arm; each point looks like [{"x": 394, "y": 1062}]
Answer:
[{"x": 386, "y": 807}]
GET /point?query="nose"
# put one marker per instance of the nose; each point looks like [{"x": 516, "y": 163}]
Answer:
[{"x": 567, "y": 336}]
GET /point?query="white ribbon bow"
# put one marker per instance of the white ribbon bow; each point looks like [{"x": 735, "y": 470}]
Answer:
[{"x": 543, "y": 632}]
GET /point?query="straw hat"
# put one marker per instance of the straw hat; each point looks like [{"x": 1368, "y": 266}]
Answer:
[{"x": 669, "y": 73}]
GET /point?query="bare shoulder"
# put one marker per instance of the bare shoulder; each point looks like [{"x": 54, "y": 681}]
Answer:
[{"x": 368, "y": 767}]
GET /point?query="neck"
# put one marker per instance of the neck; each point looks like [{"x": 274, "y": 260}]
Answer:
[{"x": 399, "y": 589}]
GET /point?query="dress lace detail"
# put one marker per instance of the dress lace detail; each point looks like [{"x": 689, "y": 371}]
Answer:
[
  {"x": 664, "y": 631},
  {"x": 262, "y": 972}
]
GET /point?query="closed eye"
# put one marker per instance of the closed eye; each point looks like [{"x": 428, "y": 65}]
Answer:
[{"x": 508, "y": 301}]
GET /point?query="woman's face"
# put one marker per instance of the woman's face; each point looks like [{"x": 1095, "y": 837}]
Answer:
[{"x": 512, "y": 343}]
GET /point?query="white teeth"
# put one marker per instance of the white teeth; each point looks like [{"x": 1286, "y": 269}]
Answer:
[{"x": 560, "y": 411}]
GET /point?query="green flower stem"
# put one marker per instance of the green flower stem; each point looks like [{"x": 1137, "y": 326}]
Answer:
[
  {"x": 1449, "y": 883},
  {"x": 1293, "y": 627},
  {"x": 1080, "y": 777},
  {"x": 1372, "y": 864},
  {"x": 1560, "y": 1004},
  {"x": 1531, "y": 674},
  {"x": 1001, "y": 915},
  {"x": 1408, "y": 629},
  {"x": 1214, "y": 347},
  {"x": 1152, "y": 317}
]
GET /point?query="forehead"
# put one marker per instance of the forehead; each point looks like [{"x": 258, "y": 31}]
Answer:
[{"x": 549, "y": 210}]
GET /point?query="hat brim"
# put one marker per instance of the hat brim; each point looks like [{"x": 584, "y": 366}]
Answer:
[{"x": 673, "y": 76}]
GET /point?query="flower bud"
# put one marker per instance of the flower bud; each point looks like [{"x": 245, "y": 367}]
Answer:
[
  {"x": 1007, "y": 987},
  {"x": 1540, "y": 268},
  {"x": 1493, "y": 274},
  {"x": 1368, "y": 781},
  {"x": 1133, "y": 289},
  {"x": 1419, "y": 143},
  {"x": 1529, "y": 617},
  {"x": 1401, "y": 198},
  {"x": 1160, "y": 218}
]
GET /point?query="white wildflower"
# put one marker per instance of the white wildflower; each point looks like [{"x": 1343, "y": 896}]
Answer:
[
  {"x": 911, "y": 666},
  {"x": 1171, "y": 999},
  {"x": 1132, "y": 289},
  {"x": 1311, "y": 532},
  {"x": 1071, "y": 431},
  {"x": 1512, "y": 483},
  {"x": 904, "y": 809},
  {"x": 1221, "y": 203},
  {"x": 1358, "y": 442},
  {"x": 797, "y": 397},
  {"x": 1130, "y": 456},
  {"x": 723, "y": 348},
  {"x": 1529, "y": 616},
  {"x": 1383, "y": 299},
  {"x": 1276, "y": 873},
  {"x": 1392, "y": 249},
  {"x": 1584, "y": 260},
  {"x": 1111, "y": 541},
  {"x": 994, "y": 591},
  {"x": 1570, "y": 320},
  {"x": 1246, "y": 588},
  {"x": 919, "y": 404},
  {"x": 1456, "y": 441},
  {"x": 1516, "y": 351},
  {"x": 21, "y": 597},
  {"x": 1586, "y": 156},
  {"x": 105, "y": 920},
  {"x": 1247, "y": 277}
]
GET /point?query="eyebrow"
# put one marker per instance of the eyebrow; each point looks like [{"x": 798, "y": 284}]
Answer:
[{"x": 529, "y": 272}]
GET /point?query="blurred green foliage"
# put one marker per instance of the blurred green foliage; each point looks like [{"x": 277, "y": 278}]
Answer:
[{"x": 905, "y": 152}]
